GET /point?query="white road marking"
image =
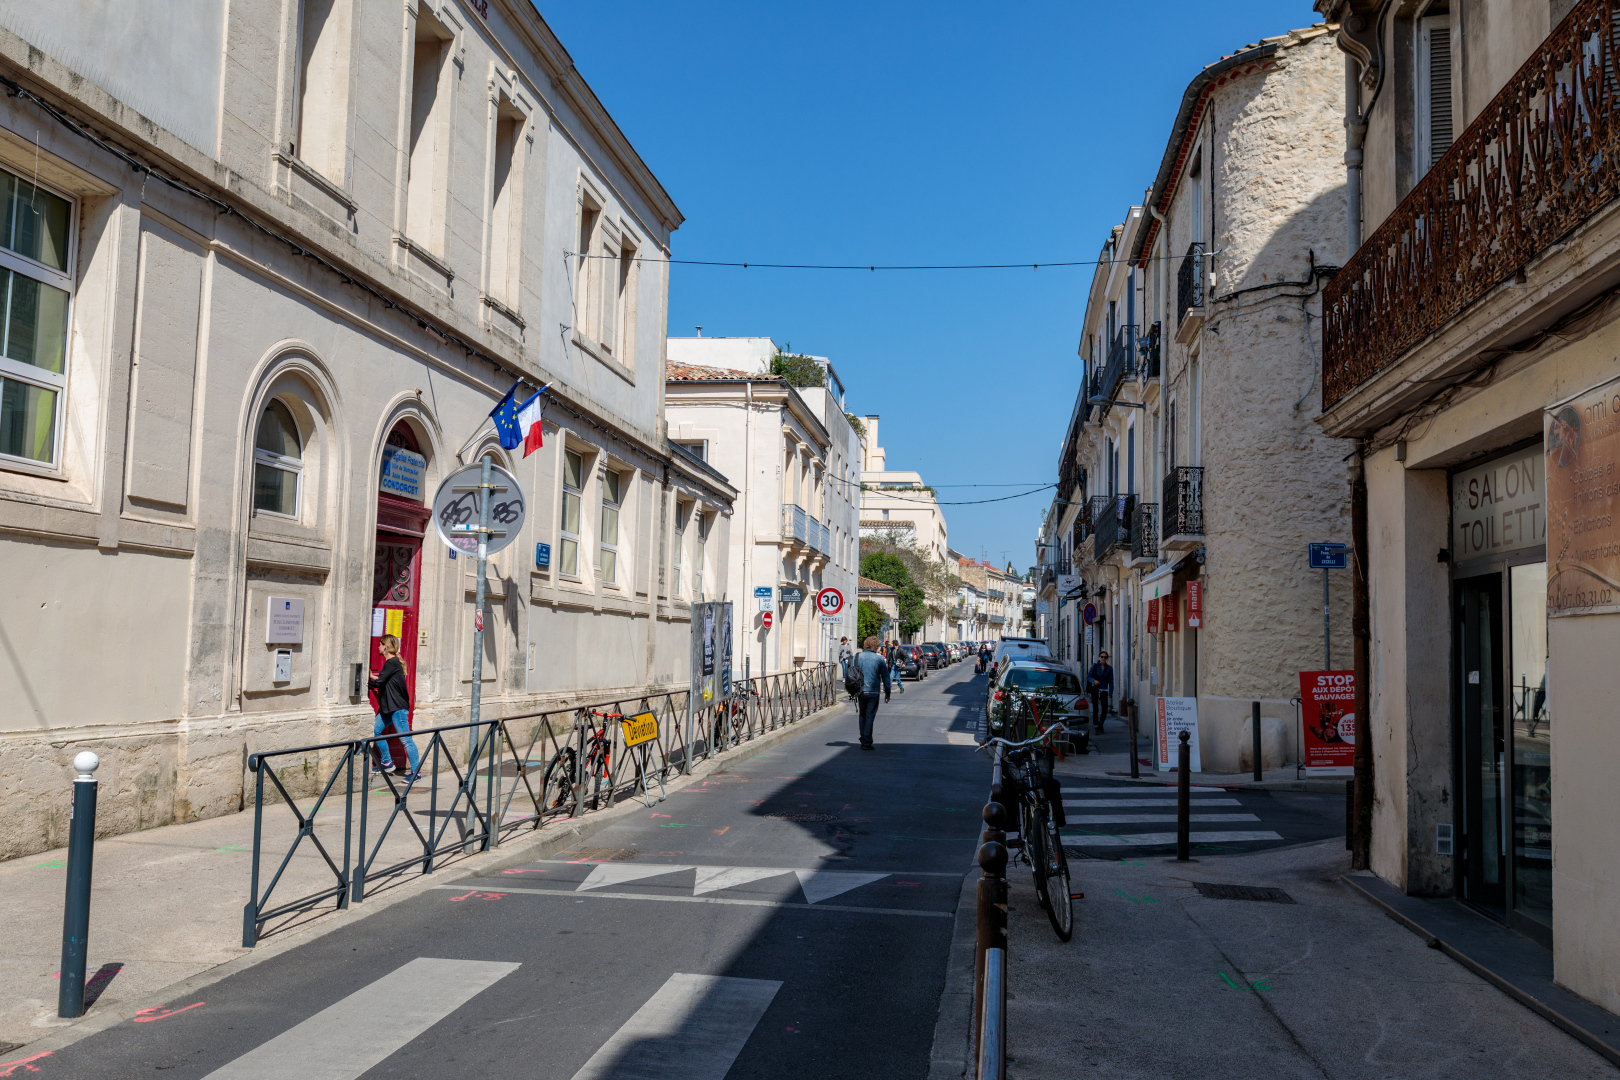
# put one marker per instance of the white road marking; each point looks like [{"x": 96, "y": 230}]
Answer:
[
  {"x": 1156, "y": 838},
  {"x": 1149, "y": 789},
  {"x": 693, "y": 1028},
  {"x": 716, "y": 900},
  {"x": 346, "y": 1039},
  {"x": 715, "y": 878},
  {"x": 1087, "y": 803},
  {"x": 618, "y": 873},
  {"x": 1153, "y": 819},
  {"x": 821, "y": 885}
]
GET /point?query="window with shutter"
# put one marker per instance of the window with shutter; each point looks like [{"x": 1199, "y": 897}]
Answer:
[{"x": 1434, "y": 124}]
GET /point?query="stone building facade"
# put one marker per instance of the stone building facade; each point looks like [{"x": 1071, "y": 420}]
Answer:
[
  {"x": 1199, "y": 469},
  {"x": 290, "y": 255}
]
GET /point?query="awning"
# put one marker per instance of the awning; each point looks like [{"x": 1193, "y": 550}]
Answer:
[{"x": 1162, "y": 582}]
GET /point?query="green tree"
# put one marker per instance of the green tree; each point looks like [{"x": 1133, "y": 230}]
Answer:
[
  {"x": 796, "y": 369},
  {"x": 869, "y": 621},
  {"x": 891, "y": 569}
]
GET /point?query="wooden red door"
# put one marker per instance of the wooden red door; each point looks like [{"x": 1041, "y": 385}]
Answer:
[{"x": 395, "y": 592}]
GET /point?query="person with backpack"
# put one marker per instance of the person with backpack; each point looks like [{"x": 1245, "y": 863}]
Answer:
[
  {"x": 394, "y": 708},
  {"x": 873, "y": 670},
  {"x": 845, "y": 660}
]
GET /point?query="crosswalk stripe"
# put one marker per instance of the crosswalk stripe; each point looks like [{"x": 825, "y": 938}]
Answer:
[
  {"x": 1157, "y": 838},
  {"x": 1085, "y": 803},
  {"x": 1153, "y": 789},
  {"x": 666, "y": 898},
  {"x": 618, "y": 873},
  {"x": 1152, "y": 819},
  {"x": 715, "y": 878},
  {"x": 693, "y": 1028},
  {"x": 821, "y": 885},
  {"x": 346, "y": 1039}
]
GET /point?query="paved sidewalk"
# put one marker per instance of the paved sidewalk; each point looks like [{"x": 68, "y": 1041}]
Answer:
[
  {"x": 1162, "y": 981},
  {"x": 166, "y": 904},
  {"x": 1110, "y": 759}
]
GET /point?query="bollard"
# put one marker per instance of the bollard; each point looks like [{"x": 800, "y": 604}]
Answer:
[
  {"x": 1184, "y": 802},
  {"x": 76, "y": 913},
  {"x": 991, "y": 901},
  {"x": 992, "y": 1055},
  {"x": 1255, "y": 724},
  {"x": 1135, "y": 765}
]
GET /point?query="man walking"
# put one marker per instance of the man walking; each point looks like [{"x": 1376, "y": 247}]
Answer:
[
  {"x": 1100, "y": 680},
  {"x": 845, "y": 658},
  {"x": 874, "y": 670}
]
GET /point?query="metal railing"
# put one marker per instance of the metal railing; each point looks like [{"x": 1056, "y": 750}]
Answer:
[
  {"x": 1145, "y": 531},
  {"x": 800, "y": 526},
  {"x": 1183, "y": 502},
  {"x": 1190, "y": 282},
  {"x": 1114, "y": 525},
  {"x": 1536, "y": 163},
  {"x": 1148, "y": 349},
  {"x": 525, "y": 770},
  {"x": 1121, "y": 360}
]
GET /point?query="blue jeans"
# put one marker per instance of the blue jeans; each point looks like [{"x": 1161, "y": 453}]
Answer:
[
  {"x": 400, "y": 724},
  {"x": 869, "y": 704}
]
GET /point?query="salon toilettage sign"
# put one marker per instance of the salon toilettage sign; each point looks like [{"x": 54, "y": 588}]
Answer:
[{"x": 1583, "y": 502}]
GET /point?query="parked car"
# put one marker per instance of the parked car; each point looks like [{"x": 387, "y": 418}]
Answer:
[
  {"x": 935, "y": 652},
  {"x": 1056, "y": 693},
  {"x": 914, "y": 663}
]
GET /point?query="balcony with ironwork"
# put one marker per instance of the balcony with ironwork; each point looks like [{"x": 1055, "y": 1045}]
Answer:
[
  {"x": 803, "y": 533},
  {"x": 1096, "y": 509},
  {"x": 1182, "y": 500},
  {"x": 1145, "y": 535},
  {"x": 1121, "y": 363},
  {"x": 1148, "y": 349},
  {"x": 1535, "y": 177},
  {"x": 1114, "y": 526},
  {"x": 1190, "y": 294}
]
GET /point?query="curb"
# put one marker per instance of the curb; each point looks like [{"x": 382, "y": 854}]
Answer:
[
  {"x": 539, "y": 844},
  {"x": 953, "y": 1030}
]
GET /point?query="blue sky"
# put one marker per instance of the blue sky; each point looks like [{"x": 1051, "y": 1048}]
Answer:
[{"x": 910, "y": 133}]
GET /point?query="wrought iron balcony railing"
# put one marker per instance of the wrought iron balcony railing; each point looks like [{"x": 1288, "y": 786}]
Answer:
[
  {"x": 1145, "y": 531},
  {"x": 1539, "y": 160},
  {"x": 1121, "y": 361},
  {"x": 1190, "y": 282},
  {"x": 1096, "y": 510},
  {"x": 1114, "y": 525},
  {"x": 1183, "y": 502},
  {"x": 1148, "y": 354}
]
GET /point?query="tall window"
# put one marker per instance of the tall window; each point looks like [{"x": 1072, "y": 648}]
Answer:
[
  {"x": 677, "y": 548},
  {"x": 1195, "y": 197},
  {"x": 611, "y": 485},
  {"x": 36, "y": 283},
  {"x": 1433, "y": 90},
  {"x": 430, "y": 127},
  {"x": 697, "y": 555},
  {"x": 322, "y": 86},
  {"x": 587, "y": 280},
  {"x": 278, "y": 462},
  {"x": 568, "y": 542},
  {"x": 505, "y": 235}
]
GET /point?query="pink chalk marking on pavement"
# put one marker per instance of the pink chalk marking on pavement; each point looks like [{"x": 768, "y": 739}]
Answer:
[
  {"x": 9, "y": 1067},
  {"x": 144, "y": 1016}
]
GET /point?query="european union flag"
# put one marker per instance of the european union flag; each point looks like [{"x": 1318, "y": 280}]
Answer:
[{"x": 505, "y": 416}]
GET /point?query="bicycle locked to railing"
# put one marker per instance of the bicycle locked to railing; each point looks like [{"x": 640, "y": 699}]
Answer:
[
  {"x": 1020, "y": 778},
  {"x": 584, "y": 757}
]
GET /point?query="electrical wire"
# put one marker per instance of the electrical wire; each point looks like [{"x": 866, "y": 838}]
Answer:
[{"x": 873, "y": 267}]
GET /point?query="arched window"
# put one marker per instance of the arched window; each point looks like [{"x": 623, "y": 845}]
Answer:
[{"x": 278, "y": 462}]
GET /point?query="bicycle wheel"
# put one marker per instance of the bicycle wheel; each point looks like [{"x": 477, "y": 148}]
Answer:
[
  {"x": 558, "y": 788},
  {"x": 1055, "y": 867},
  {"x": 1035, "y": 844},
  {"x": 718, "y": 736}
]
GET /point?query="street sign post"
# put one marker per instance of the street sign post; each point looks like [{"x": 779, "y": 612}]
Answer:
[
  {"x": 1325, "y": 557},
  {"x": 767, "y": 620},
  {"x": 1091, "y": 614},
  {"x": 496, "y": 498},
  {"x": 830, "y": 601}
]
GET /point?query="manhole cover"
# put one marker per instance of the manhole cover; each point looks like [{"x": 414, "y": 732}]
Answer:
[
  {"x": 602, "y": 854},
  {"x": 1242, "y": 892},
  {"x": 803, "y": 817}
]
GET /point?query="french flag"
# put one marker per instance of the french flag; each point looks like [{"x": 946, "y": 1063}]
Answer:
[{"x": 528, "y": 418}]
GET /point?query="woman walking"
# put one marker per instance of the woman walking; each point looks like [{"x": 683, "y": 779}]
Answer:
[{"x": 393, "y": 708}]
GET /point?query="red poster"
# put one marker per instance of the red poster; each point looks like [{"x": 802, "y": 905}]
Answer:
[
  {"x": 1170, "y": 613},
  {"x": 1195, "y": 605},
  {"x": 1153, "y": 616},
  {"x": 1328, "y": 701}
]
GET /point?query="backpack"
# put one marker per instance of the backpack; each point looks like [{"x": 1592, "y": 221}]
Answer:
[{"x": 852, "y": 678}]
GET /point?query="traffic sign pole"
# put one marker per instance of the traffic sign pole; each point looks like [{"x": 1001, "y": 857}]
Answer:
[{"x": 1327, "y": 640}]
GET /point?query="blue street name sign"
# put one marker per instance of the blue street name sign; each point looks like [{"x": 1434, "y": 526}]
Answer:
[
  {"x": 762, "y": 591},
  {"x": 542, "y": 556},
  {"x": 1329, "y": 556}
]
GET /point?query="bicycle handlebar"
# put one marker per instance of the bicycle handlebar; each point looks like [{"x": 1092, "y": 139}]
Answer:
[{"x": 1042, "y": 737}]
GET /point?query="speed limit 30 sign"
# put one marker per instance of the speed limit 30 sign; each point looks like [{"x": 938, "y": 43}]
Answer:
[{"x": 830, "y": 601}]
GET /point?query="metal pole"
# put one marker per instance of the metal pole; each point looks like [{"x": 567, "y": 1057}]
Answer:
[
  {"x": 484, "y": 483},
  {"x": 1255, "y": 724},
  {"x": 1327, "y": 643},
  {"x": 993, "y": 1021},
  {"x": 1135, "y": 764},
  {"x": 250, "y": 914},
  {"x": 1184, "y": 801},
  {"x": 76, "y": 913}
]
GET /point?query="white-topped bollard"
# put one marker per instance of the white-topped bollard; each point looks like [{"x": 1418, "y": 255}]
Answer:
[{"x": 76, "y": 913}]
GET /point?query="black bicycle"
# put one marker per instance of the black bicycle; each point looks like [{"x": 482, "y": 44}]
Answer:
[{"x": 1026, "y": 770}]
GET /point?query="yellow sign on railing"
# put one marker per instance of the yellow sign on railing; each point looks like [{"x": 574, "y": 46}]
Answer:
[{"x": 640, "y": 728}]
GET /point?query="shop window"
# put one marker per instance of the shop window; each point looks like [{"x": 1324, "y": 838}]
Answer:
[
  {"x": 36, "y": 286},
  {"x": 278, "y": 462},
  {"x": 568, "y": 542},
  {"x": 608, "y": 564}
]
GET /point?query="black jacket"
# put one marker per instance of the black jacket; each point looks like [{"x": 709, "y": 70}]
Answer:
[{"x": 392, "y": 694}]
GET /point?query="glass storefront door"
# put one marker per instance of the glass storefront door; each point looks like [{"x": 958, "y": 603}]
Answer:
[{"x": 1531, "y": 789}]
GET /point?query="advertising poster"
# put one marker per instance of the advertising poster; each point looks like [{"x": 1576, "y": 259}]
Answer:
[
  {"x": 1170, "y": 613},
  {"x": 1328, "y": 718},
  {"x": 1175, "y": 715},
  {"x": 1583, "y": 502},
  {"x": 1195, "y": 605}
]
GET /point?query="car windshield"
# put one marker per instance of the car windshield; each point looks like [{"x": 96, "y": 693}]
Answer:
[{"x": 1028, "y": 678}]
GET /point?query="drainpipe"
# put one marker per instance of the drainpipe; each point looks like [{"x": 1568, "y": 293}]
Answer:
[
  {"x": 1361, "y": 627},
  {"x": 1355, "y": 130}
]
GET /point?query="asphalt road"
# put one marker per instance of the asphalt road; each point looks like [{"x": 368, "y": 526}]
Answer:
[{"x": 789, "y": 917}]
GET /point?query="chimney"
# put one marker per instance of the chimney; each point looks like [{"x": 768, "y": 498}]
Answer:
[
  {"x": 874, "y": 453},
  {"x": 700, "y": 331}
]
